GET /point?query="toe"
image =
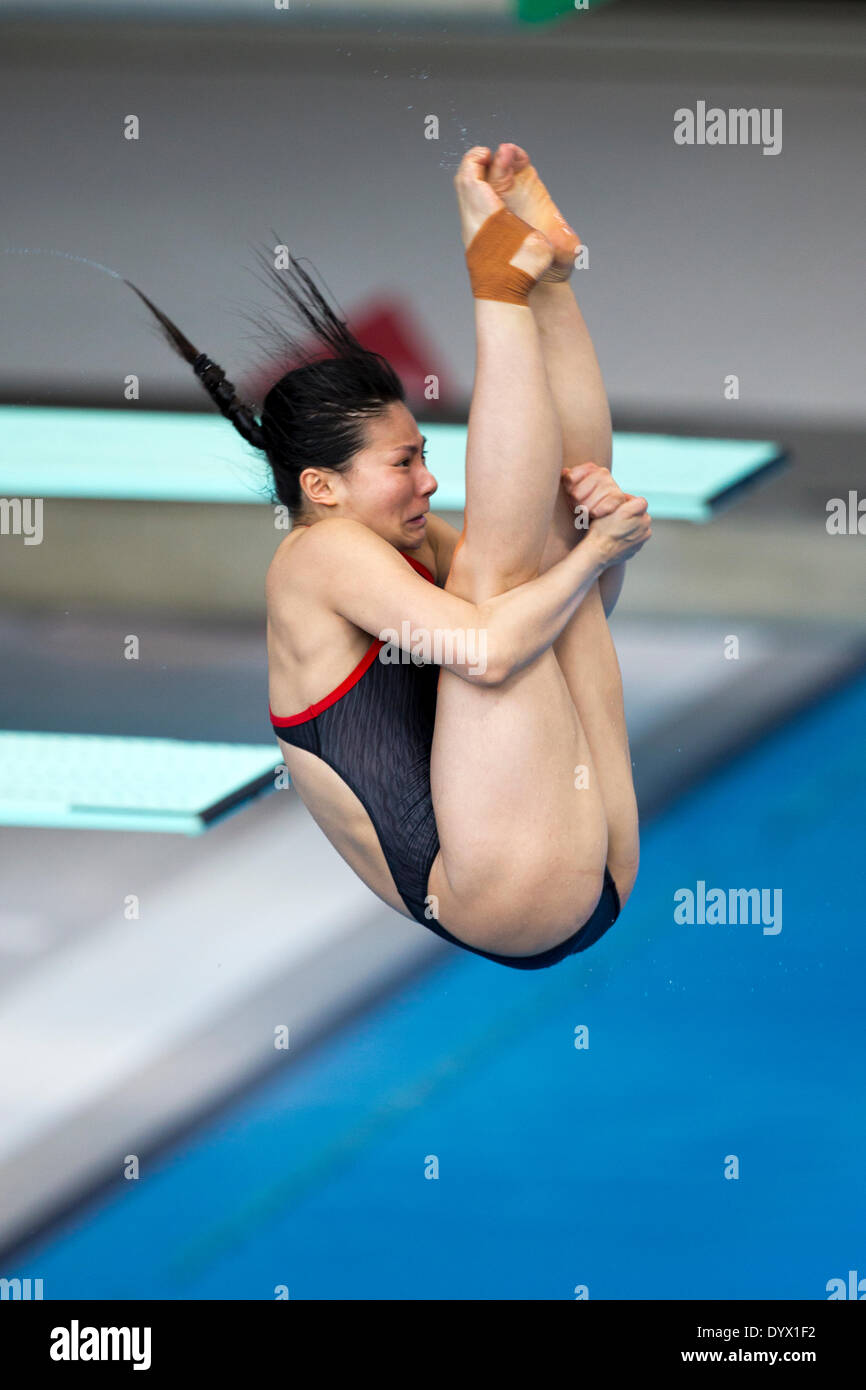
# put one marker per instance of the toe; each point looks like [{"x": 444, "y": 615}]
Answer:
[
  {"x": 473, "y": 165},
  {"x": 498, "y": 172}
]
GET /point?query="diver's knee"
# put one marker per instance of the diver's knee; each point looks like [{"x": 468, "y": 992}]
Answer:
[{"x": 478, "y": 577}]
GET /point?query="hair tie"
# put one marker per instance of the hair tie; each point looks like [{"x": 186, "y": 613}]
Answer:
[
  {"x": 214, "y": 378},
  {"x": 224, "y": 394}
]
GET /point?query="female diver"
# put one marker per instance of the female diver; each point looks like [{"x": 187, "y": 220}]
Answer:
[{"x": 489, "y": 800}]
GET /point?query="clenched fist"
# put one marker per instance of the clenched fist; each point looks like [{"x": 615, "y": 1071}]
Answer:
[{"x": 592, "y": 487}]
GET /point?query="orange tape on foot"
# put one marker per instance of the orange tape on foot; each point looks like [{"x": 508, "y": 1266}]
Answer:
[{"x": 488, "y": 254}]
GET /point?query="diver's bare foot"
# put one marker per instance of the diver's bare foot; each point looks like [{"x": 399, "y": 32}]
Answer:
[
  {"x": 514, "y": 179},
  {"x": 478, "y": 200}
]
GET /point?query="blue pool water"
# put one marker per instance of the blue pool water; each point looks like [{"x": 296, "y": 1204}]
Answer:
[{"x": 558, "y": 1166}]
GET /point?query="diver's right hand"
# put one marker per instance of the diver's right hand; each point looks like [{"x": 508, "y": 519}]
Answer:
[{"x": 621, "y": 534}]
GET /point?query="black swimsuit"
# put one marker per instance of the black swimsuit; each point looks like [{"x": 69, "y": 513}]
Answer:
[{"x": 376, "y": 731}]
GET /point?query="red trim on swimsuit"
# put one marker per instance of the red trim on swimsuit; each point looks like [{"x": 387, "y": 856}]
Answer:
[
  {"x": 285, "y": 721},
  {"x": 416, "y": 565}
]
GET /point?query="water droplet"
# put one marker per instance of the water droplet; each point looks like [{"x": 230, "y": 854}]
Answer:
[{"x": 64, "y": 255}]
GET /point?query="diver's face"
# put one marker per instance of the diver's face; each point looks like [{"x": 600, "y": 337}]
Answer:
[{"x": 389, "y": 486}]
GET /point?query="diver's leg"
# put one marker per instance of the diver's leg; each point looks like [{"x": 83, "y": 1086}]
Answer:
[
  {"x": 522, "y": 851},
  {"x": 584, "y": 648}
]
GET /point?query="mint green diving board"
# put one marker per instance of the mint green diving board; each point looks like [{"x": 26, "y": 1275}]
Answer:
[
  {"x": 97, "y": 782},
  {"x": 168, "y": 456}
]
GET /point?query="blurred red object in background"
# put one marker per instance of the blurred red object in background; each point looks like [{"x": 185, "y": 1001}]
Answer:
[{"x": 386, "y": 325}]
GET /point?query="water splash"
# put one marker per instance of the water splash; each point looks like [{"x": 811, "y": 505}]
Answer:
[{"x": 65, "y": 255}]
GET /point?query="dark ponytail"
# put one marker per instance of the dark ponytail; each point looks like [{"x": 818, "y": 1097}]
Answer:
[
  {"x": 217, "y": 385},
  {"x": 313, "y": 416}
]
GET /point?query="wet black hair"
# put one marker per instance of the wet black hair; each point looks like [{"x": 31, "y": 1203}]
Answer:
[{"x": 314, "y": 415}]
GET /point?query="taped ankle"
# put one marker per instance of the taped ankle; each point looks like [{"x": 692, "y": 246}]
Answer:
[{"x": 488, "y": 254}]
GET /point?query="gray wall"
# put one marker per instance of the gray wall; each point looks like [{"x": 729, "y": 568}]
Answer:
[{"x": 704, "y": 261}]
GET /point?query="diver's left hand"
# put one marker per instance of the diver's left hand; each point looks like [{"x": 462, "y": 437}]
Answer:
[{"x": 593, "y": 487}]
